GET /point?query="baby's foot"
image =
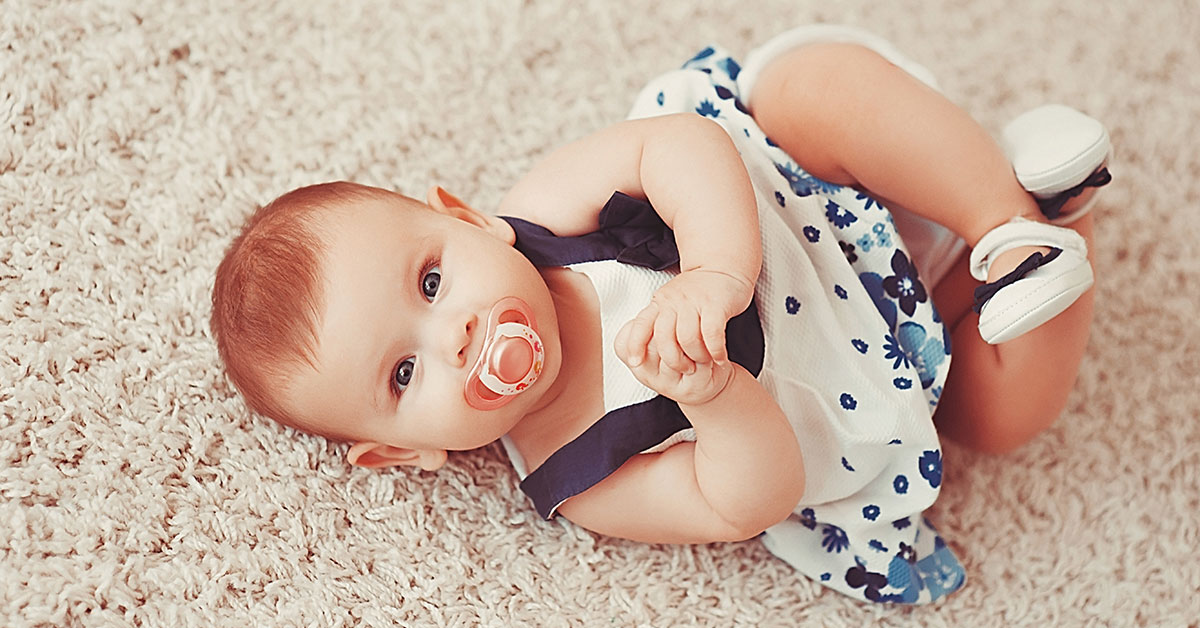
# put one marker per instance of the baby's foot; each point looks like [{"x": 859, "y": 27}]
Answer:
[
  {"x": 1034, "y": 271},
  {"x": 1060, "y": 156},
  {"x": 1009, "y": 260}
]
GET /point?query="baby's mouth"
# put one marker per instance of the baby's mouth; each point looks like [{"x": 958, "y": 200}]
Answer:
[{"x": 511, "y": 358}]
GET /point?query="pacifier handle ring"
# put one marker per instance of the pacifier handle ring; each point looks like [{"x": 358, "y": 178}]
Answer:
[
  {"x": 495, "y": 392},
  {"x": 523, "y": 332}
]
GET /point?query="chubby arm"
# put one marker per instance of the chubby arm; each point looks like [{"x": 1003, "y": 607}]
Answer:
[
  {"x": 684, "y": 164},
  {"x": 690, "y": 171},
  {"x": 743, "y": 474}
]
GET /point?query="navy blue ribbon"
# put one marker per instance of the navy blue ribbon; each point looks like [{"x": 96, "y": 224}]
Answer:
[
  {"x": 1052, "y": 206},
  {"x": 1031, "y": 263}
]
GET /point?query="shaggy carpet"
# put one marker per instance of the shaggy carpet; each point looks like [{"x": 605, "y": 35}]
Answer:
[{"x": 137, "y": 490}]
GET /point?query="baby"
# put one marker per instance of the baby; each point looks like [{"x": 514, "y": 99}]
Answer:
[{"x": 713, "y": 320}]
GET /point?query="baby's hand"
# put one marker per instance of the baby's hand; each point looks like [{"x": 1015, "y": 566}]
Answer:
[
  {"x": 683, "y": 327},
  {"x": 703, "y": 382}
]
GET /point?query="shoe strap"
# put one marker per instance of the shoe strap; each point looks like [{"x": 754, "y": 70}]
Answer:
[
  {"x": 1052, "y": 206},
  {"x": 1031, "y": 263},
  {"x": 1021, "y": 232}
]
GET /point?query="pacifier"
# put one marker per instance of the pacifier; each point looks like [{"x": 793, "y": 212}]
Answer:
[{"x": 511, "y": 359}]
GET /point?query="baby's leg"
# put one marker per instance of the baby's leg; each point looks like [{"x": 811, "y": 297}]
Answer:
[
  {"x": 998, "y": 397},
  {"x": 847, "y": 115}
]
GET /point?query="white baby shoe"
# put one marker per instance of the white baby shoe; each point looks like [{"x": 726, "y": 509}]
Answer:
[
  {"x": 1039, "y": 289},
  {"x": 1057, "y": 153}
]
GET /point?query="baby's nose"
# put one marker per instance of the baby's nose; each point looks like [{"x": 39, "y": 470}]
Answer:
[{"x": 458, "y": 335}]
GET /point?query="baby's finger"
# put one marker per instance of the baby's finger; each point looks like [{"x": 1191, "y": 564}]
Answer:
[
  {"x": 668, "y": 346},
  {"x": 687, "y": 330},
  {"x": 712, "y": 328},
  {"x": 621, "y": 344},
  {"x": 653, "y": 362},
  {"x": 647, "y": 371},
  {"x": 641, "y": 328}
]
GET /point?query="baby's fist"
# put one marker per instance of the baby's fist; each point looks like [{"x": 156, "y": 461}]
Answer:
[{"x": 701, "y": 383}]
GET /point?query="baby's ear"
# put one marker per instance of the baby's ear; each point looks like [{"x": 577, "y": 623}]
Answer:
[
  {"x": 377, "y": 455},
  {"x": 446, "y": 203}
]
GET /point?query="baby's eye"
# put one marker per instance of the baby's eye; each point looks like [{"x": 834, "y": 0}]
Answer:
[
  {"x": 430, "y": 282},
  {"x": 404, "y": 373}
]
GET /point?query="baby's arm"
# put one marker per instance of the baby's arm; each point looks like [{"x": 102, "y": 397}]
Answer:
[
  {"x": 743, "y": 474},
  {"x": 690, "y": 171}
]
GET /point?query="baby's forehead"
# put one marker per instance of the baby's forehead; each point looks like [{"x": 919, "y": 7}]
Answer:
[
  {"x": 372, "y": 237},
  {"x": 372, "y": 217},
  {"x": 390, "y": 206}
]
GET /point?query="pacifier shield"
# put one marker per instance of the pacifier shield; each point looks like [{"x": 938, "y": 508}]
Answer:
[{"x": 511, "y": 358}]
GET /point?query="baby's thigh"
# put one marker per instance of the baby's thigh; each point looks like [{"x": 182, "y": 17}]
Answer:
[{"x": 804, "y": 101}]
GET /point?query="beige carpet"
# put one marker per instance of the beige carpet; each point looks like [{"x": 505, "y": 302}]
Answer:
[{"x": 137, "y": 490}]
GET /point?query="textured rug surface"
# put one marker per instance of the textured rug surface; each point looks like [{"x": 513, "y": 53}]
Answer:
[{"x": 136, "y": 489}]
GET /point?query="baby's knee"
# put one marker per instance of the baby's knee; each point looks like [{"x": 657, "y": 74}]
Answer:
[
  {"x": 1016, "y": 431},
  {"x": 992, "y": 417}
]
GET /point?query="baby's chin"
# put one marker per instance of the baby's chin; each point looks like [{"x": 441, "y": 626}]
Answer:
[{"x": 496, "y": 423}]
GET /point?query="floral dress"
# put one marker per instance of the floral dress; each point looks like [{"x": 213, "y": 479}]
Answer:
[{"x": 842, "y": 333}]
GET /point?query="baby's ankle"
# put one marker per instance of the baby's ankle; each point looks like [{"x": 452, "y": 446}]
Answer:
[{"x": 1009, "y": 260}]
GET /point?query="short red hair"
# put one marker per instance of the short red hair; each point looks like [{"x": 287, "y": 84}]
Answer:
[{"x": 268, "y": 296}]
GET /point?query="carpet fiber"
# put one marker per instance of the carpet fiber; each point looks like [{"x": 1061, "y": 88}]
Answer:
[{"x": 137, "y": 489}]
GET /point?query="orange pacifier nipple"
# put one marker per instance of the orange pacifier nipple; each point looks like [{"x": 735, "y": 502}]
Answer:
[{"x": 511, "y": 359}]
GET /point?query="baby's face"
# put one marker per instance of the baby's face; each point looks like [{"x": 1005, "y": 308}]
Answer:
[{"x": 408, "y": 292}]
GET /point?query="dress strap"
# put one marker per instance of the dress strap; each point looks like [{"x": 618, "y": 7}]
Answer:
[
  {"x": 601, "y": 450},
  {"x": 630, "y": 231}
]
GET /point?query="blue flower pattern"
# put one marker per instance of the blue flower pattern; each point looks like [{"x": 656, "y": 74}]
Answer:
[
  {"x": 835, "y": 538},
  {"x": 703, "y": 54},
  {"x": 916, "y": 347},
  {"x": 868, "y": 202},
  {"x": 879, "y": 237},
  {"x": 848, "y": 251},
  {"x": 707, "y": 109},
  {"x": 894, "y": 351},
  {"x": 883, "y": 237},
  {"x": 930, "y": 466},
  {"x": 732, "y": 68},
  {"x": 804, "y": 184},
  {"x": 840, "y": 217},
  {"x": 924, "y": 353},
  {"x": 873, "y": 282},
  {"x": 865, "y": 242},
  {"x": 904, "y": 286}
]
